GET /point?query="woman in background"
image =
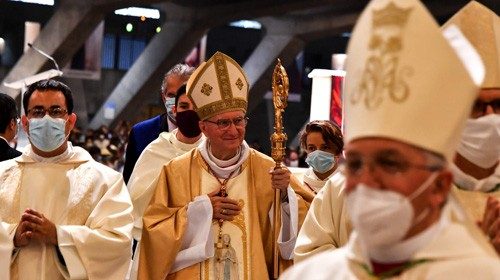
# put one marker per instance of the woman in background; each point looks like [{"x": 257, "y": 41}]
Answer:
[{"x": 323, "y": 143}]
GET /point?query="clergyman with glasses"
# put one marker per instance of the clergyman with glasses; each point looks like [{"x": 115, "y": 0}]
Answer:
[
  {"x": 398, "y": 143},
  {"x": 68, "y": 215},
  {"x": 221, "y": 188}
]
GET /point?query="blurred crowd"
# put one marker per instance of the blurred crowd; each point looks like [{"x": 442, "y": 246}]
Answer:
[{"x": 105, "y": 145}]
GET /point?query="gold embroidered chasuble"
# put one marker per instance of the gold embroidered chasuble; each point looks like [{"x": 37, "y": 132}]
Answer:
[{"x": 165, "y": 219}]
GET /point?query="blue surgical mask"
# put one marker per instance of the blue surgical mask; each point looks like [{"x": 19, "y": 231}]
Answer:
[
  {"x": 47, "y": 133},
  {"x": 320, "y": 161},
  {"x": 169, "y": 105}
]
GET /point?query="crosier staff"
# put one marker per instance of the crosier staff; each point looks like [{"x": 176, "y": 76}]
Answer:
[{"x": 278, "y": 140}]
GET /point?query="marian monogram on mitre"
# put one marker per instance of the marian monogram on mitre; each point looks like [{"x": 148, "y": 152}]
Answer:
[{"x": 382, "y": 76}]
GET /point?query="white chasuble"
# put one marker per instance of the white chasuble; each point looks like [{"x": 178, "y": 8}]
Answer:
[
  {"x": 5, "y": 253},
  {"x": 89, "y": 205}
]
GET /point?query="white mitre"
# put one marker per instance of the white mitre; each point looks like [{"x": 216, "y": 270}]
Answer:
[
  {"x": 405, "y": 81},
  {"x": 481, "y": 26}
]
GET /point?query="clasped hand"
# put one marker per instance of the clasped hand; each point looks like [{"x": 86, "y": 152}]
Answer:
[
  {"x": 223, "y": 208},
  {"x": 34, "y": 227},
  {"x": 226, "y": 209}
]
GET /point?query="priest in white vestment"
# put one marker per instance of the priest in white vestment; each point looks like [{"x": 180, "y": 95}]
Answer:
[
  {"x": 476, "y": 166},
  {"x": 167, "y": 146},
  {"x": 399, "y": 141},
  {"x": 69, "y": 217},
  {"x": 326, "y": 225}
]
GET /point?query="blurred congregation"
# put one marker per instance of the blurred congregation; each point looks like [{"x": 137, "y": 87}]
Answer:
[{"x": 105, "y": 145}]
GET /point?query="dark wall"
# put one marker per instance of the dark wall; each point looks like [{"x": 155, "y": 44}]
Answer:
[
  {"x": 238, "y": 43},
  {"x": 12, "y": 18}
]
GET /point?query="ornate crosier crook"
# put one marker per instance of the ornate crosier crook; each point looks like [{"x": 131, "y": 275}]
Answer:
[
  {"x": 280, "y": 96},
  {"x": 278, "y": 140}
]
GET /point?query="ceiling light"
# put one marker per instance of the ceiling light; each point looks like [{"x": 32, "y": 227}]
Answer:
[
  {"x": 246, "y": 24},
  {"x": 139, "y": 12},
  {"x": 43, "y": 2},
  {"x": 129, "y": 27}
]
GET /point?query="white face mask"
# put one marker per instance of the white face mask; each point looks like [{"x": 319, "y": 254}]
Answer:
[
  {"x": 169, "y": 105},
  {"x": 465, "y": 181},
  {"x": 480, "y": 142},
  {"x": 321, "y": 161},
  {"x": 383, "y": 217},
  {"x": 47, "y": 133}
]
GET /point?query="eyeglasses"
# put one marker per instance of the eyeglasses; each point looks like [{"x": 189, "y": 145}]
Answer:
[
  {"x": 223, "y": 124},
  {"x": 54, "y": 112},
  {"x": 479, "y": 108},
  {"x": 388, "y": 165}
]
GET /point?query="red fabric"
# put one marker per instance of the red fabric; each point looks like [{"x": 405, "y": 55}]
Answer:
[
  {"x": 379, "y": 268},
  {"x": 336, "y": 100}
]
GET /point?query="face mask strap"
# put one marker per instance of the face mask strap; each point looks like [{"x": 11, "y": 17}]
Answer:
[
  {"x": 420, "y": 217},
  {"x": 424, "y": 186},
  {"x": 421, "y": 189}
]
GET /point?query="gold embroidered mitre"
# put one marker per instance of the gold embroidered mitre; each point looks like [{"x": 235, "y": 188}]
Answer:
[
  {"x": 481, "y": 27},
  {"x": 404, "y": 80},
  {"x": 390, "y": 15},
  {"x": 218, "y": 85}
]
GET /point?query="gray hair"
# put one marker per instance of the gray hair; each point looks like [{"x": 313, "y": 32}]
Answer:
[{"x": 184, "y": 71}]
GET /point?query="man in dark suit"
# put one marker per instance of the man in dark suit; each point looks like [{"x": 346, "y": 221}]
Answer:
[
  {"x": 8, "y": 127},
  {"x": 146, "y": 131}
]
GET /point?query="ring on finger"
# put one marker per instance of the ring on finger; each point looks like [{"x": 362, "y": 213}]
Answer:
[{"x": 223, "y": 211}]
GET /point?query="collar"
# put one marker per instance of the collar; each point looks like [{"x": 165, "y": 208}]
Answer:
[
  {"x": 1, "y": 137},
  {"x": 172, "y": 138},
  {"x": 224, "y": 168},
  {"x": 71, "y": 155},
  {"x": 313, "y": 182}
]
